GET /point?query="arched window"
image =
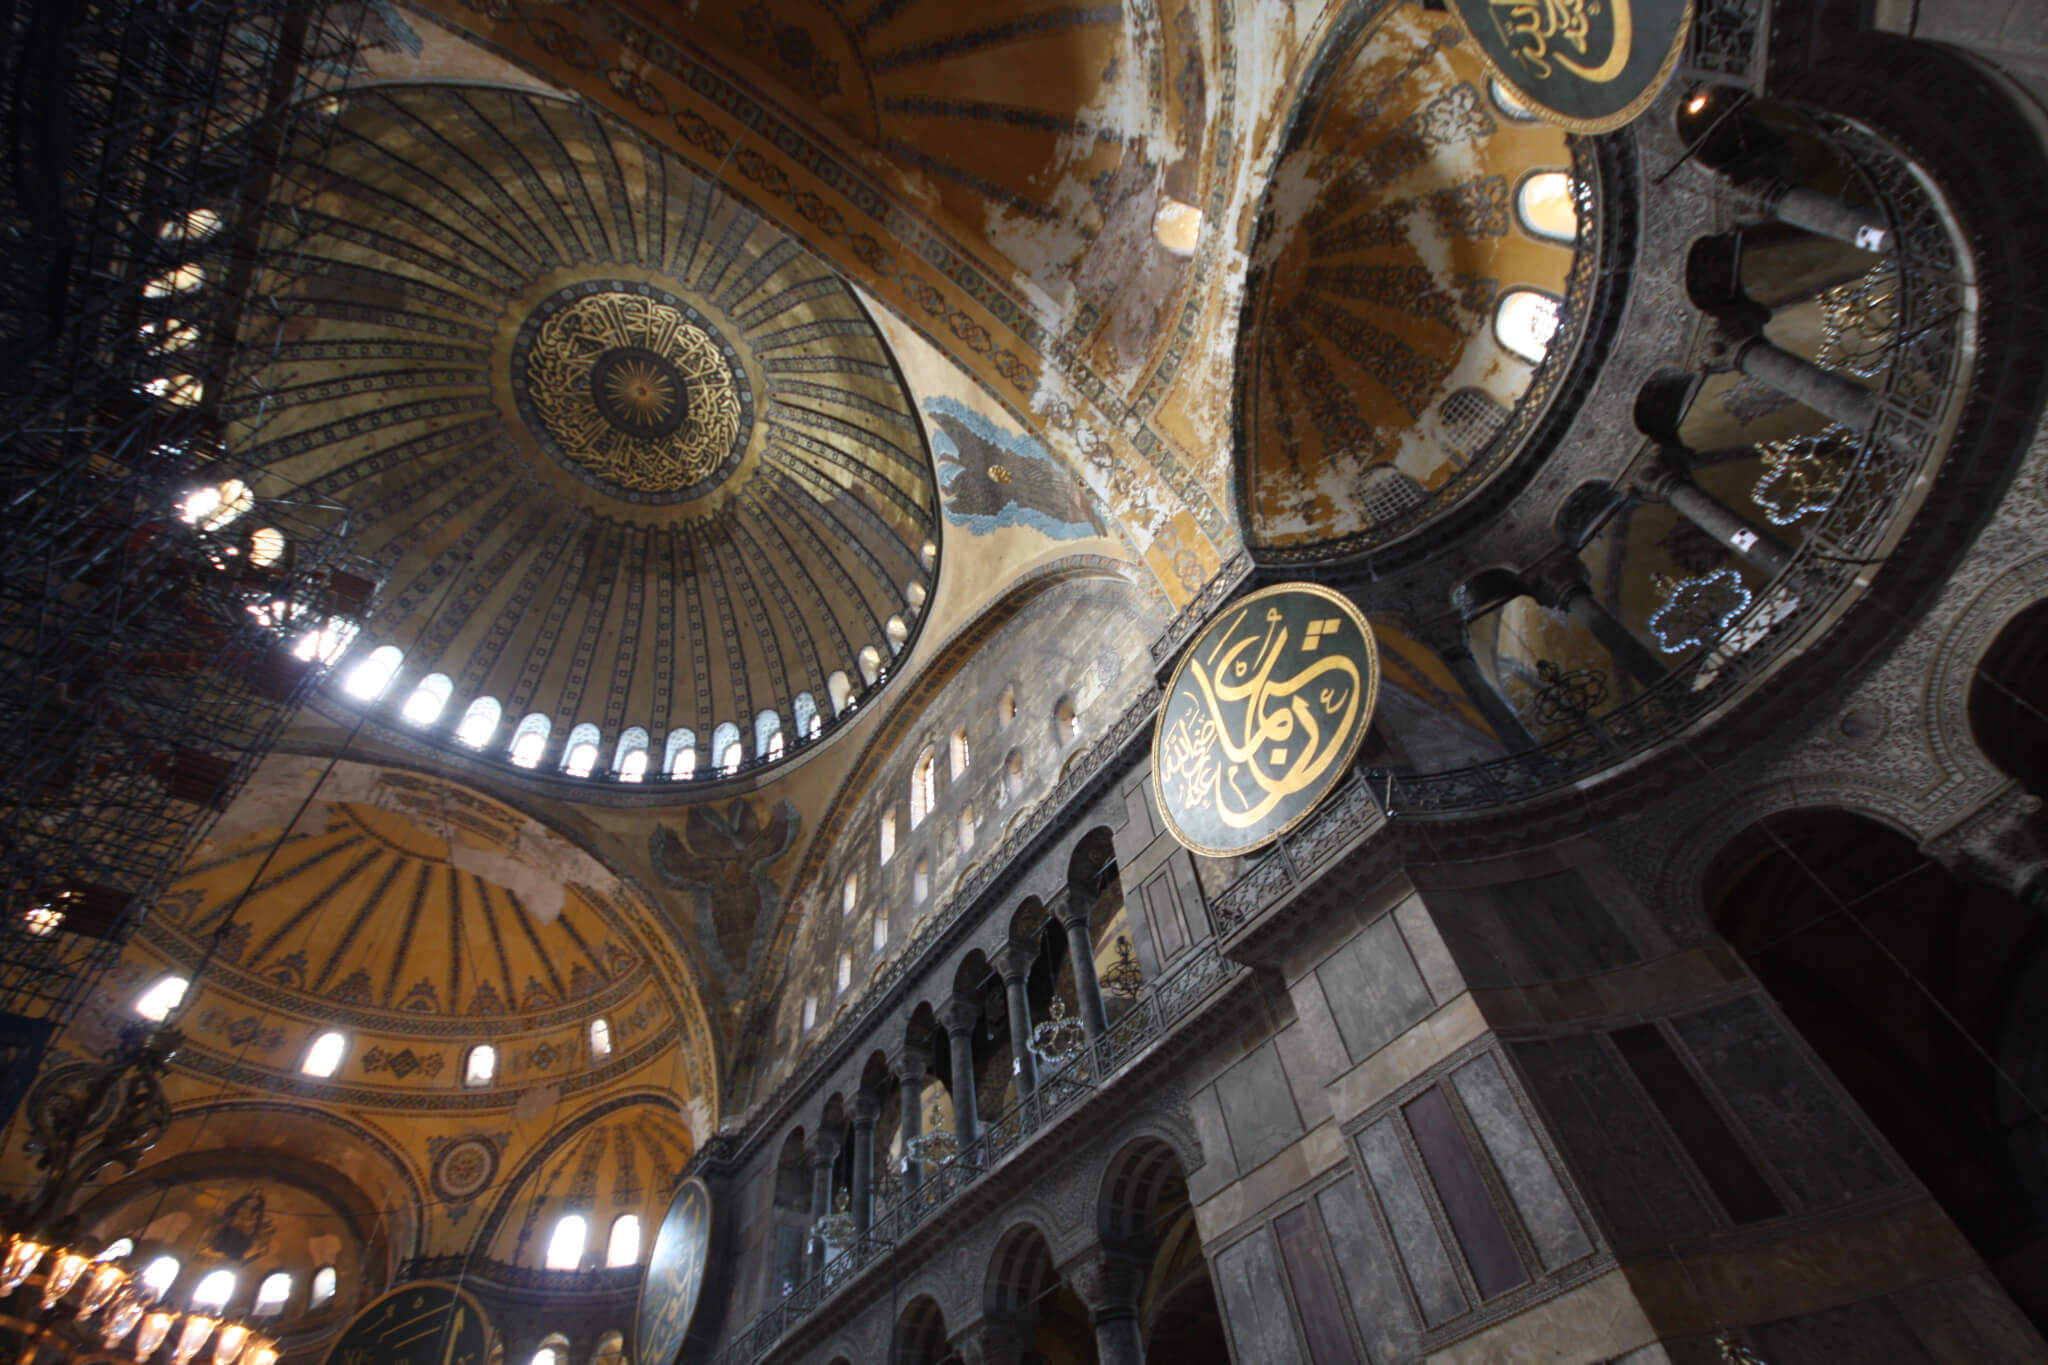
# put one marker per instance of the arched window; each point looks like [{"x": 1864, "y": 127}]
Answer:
[
  {"x": 680, "y": 761},
  {"x": 881, "y": 939},
  {"x": 325, "y": 1282},
  {"x": 845, "y": 971},
  {"x": 116, "y": 1249},
  {"x": 920, "y": 880},
  {"x": 1006, "y": 707},
  {"x": 212, "y": 508},
  {"x": 1013, "y": 774},
  {"x": 266, "y": 546},
  {"x": 924, "y": 787},
  {"x": 479, "y": 722},
  {"x": 725, "y": 748},
  {"x": 809, "y": 725},
  {"x": 966, "y": 829},
  {"x": 160, "y": 1274},
  {"x": 849, "y": 894},
  {"x": 600, "y": 1038},
  {"x": 161, "y": 998},
  {"x": 529, "y": 741},
  {"x": 480, "y": 1066},
  {"x": 272, "y": 1294},
  {"x": 1508, "y": 103},
  {"x": 897, "y": 633},
  {"x": 214, "y": 1289},
  {"x": 916, "y": 594},
  {"x": 1525, "y": 321},
  {"x": 565, "y": 1243},
  {"x": 323, "y": 1059},
  {"x": 959, "y": 752},
  {"x": 623, "y": 1246},
  {"x": 368, "y": 679},
  {"x": 579, "y": 755},
  {"x": 810, "y": 1012},
  {"x": 550, "y": 1355},
  {"x": 885, "y": 840},
  {"x": 768, "y": 735},
  {"x": 839, "y": 691},
  {"x": 1545, "y": 207},
  {"x": 1177, "y": 227},
  {"x": 870, "y": 664},
  {"x": 928, "y": 554},
  {"x": 429, "y": 698},
  {"x": 1066, "y": 724},
  {"x": 629, "y": 760},
  {"x": 327, "y": 642}
]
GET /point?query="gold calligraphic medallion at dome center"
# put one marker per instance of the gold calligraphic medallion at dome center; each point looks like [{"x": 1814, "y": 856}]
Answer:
[
  {"x": 1263, "y": 717},
  {"x": 633, "y": 392}
]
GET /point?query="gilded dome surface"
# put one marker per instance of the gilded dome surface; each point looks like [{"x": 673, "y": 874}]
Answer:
[{"x": 636, "y": 459}]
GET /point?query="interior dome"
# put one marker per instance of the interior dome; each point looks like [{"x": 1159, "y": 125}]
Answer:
[
  {"x": 638, "y": 462},
  {"x": 1421, "y": 247}
]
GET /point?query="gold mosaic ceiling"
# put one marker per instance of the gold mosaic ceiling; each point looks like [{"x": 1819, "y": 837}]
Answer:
[
  {"x": 1409, "y": 209},
  {"x": 632, "y": 456}
]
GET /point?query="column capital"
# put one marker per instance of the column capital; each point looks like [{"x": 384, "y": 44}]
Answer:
[
  {"x": 867, "y": 1107},
  {"x": 1654, "y": 478},
  {"x": 1997, "y": 844},
  {"x": 1069, "y": 909},
  {"x": 959, "y": 1015},
  {"x": 998, "y": 1339},
  {"x": 911, "y": 1062},
  {"x": 1107, "y": 1279},
  {"x": 1558, "y": 578},
  {"x": 1015, "y": 960},
  {"x": 823, "y": 1148}
]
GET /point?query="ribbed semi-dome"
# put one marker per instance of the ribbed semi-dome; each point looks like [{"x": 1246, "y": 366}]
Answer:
[
  {"x": 638, "y": 462},
  {"x": 1412, "y": 299}
]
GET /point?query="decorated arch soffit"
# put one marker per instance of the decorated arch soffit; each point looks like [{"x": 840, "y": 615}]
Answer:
[{"x": 1013, "y": 281}]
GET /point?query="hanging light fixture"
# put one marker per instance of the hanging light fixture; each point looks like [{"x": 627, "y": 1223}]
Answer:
[
  {"x": 836, "y": 1229},
  {"x": 934, "y": 1146},
  {"x": 1060, "y": 1038}
]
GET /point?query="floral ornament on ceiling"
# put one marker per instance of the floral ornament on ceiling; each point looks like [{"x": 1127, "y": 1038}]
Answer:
[
  {"x": 1697, "y": 610},
  {"x": 1804, "y": 474}
]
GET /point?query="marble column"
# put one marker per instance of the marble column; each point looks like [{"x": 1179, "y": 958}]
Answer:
[
  {"x": 1072, "y": 910},
  {"x": 822, "y": 1151},
  {"x": 999, "y": 1339},
  {"x": 959, "y": 1016},
  {"x": 1826, "y": 392},
  {"x": 1668, "y": 484},
  {"x": 1563, "y": 585},
  {"x": 910, "y": 1069},
  {"x": 1109, "y": 1282},
  {"x": 866, "y": 1109},
  {"x": 1015, "y": 961},
  {"x": 1826, "y": 216}
]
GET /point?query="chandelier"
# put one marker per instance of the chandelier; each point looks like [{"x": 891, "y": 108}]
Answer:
[
  {"x": 83, "y": 1118},
  {"x": 1124, "y": 980},
  {"x": 936, "y": 1145},
  {"x": 835, "y": 1229},
  {"x": 1060, "y": 1038}
]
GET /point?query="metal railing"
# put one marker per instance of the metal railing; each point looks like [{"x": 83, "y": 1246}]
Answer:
[{"x": 1060, "y": 1092}]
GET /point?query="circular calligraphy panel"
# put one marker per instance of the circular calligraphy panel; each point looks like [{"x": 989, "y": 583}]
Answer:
[
  {"x": 1263, "y": 717},
  {"x": 632, "y": 390},
  {"x": 675, "y": 1275},
  {"x": 421, "y": 1323},
  {"x": 1587, "y": 65}
]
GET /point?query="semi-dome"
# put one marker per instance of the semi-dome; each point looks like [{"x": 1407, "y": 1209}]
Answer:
[
  {"x": 1415, "y": 291},
  {"x": 643, "y": 471}
]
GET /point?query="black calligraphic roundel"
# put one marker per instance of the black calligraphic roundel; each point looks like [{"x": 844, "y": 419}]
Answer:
[
  {"x": 675, "y": 1275},
  {"x": 421, "y": 1323},
  {"x": 1587, "y": 65},
  {"x": 1263, "y": 717}
]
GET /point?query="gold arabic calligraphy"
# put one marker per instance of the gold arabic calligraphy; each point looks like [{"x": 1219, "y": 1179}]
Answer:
[
  {"x": 1252, "y": 739},
  {"x": 1539, "y": 32}
]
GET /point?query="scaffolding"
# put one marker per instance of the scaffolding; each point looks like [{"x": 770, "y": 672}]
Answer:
[{"x": 164, "y": 610}]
